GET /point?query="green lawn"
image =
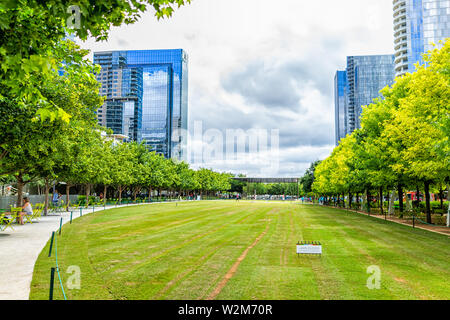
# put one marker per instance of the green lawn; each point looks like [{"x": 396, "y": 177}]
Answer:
[{"x": 166, "y": 251}]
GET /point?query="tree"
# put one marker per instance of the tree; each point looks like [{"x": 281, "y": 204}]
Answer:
[
  {"x": 420, "y": 124},
  {"x": 30, "y": 30},
  {"x": 403, "y": 140},
  {"x": 121, "y": 169},
  {"x": 308, "y": 178}
]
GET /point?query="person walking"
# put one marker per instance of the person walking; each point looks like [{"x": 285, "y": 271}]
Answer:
[{"x": 55, "y": 198}]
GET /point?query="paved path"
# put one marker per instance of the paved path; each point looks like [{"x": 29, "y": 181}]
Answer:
[{"x": 19, "y": 250}]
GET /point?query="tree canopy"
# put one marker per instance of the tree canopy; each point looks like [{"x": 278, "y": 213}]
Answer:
[{"x": 404, "y": 136}]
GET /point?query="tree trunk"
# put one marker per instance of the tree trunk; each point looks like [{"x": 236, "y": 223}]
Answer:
[
  {"x": 67, "y": 196},
  {"x": 417, "y": 197},
  {"x": 47, "y": 191},
  {"x": 134, "y": 194},
  {"x": 350, "y": 200},
  {"x": 427, "y": 197},
  {"x": 20, "y": 185},
  {"x": 441, "y": 197},
  {"x": 120, "y": 194},
  {"x": 381, "y": 200},
  {"x": 448, "y": 210},
  {"x": 105, "y": 190},
  {"x": 400, "y": 197},
  {"x": 88, "y": 192},
  {"x": 368, "y": 200},
  {"x": 391, "y": 203}
]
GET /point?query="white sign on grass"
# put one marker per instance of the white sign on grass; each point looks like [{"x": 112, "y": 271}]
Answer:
[{"x": 309, "y": 249}]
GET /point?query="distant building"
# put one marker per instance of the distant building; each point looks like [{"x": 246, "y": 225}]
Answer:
[
  {"x": 146, "y": 97},
  {"x": 358, "y": 86},
  {"x": 418, "y": 24},
  {"x": 340, "y": 96}
]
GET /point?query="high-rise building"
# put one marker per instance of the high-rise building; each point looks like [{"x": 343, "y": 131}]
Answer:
[
  {"x": 418, "y": 24},
  {"x": 146, "y": 97},
  {"x": 358, "y": 86},
  {"x": 340, "y": 96}
]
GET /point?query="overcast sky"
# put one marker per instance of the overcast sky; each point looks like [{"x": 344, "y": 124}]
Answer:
[{"x": 265, "y": 64}]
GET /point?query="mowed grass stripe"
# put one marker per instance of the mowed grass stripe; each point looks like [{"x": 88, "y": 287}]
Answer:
[
  {"x": 134, "y": 264},
  {"x": 383, "y": 248},
  {"x": 236, "y": 238},
  {"x": 169, "y": 251},
  {"x": 149, "y": 267},
  {"x": 261, "y": 276},
  {"x": 174, "y": 239},
  {"x": 361, "y": 243}
]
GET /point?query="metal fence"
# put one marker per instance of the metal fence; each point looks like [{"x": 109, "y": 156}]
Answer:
[{"x": 7, "y": 201}]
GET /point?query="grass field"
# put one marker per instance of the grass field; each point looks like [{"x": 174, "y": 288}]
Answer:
[{"x": 245, "y": 250}]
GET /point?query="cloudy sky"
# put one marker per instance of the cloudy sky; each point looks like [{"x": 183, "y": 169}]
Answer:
[{"x": 260, "y": 64}]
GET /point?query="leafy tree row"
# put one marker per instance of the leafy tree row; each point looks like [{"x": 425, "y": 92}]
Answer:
[
  {"x": 49, "y": 97},
  {"x": 31, "y": 29},
  {"x": 273, "y": 189},
  {"x": 403, "y": 142}
]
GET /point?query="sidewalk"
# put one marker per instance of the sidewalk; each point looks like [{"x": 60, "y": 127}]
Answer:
[{"x": 20, "y": 248}]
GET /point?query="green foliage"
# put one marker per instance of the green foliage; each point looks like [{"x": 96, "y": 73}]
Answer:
[
  {"x": 308, "y": 178},
  {"x": 404, "y": 137},
  {"x": 29, "y": 31}
]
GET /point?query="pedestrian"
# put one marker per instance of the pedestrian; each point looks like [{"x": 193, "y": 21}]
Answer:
[
  {"x": 55, "y": 198},
  {"x": 27, "y": 209}
]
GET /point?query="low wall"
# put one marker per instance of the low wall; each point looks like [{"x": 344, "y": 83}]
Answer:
[{"x": 6, "y": 202}]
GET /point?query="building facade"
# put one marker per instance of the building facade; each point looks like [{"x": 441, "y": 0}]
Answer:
[
  {"x": 418, "y": 24},
  {"x": 146, "y": 95},
  {"x": 358, "y": 86},
  {"x": 340, "y": 96}
]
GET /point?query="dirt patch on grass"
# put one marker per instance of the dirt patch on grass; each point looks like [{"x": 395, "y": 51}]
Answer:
[
  {"x": 235, "y": 266},
  {"x": 400, "y": 280}
]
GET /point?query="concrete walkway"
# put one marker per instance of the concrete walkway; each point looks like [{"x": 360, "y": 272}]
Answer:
[{"x": 20, "y": 248}]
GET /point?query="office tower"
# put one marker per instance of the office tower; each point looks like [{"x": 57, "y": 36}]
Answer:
[
  {"x": 146, "y": 97},
  {"x": 340, "y": 96},
  {"x": 358, "y": 86},
  {"x": 418, "y": 24}
]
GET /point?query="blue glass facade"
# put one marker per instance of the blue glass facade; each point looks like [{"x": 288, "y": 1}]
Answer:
[
  {"x": 358, "y": 86},
  {"x": 418, "y": 24},
  {"x": 416, "y": 46},
  {"x": 340, "y": 96},
  {"x": 147, "y": 97}
]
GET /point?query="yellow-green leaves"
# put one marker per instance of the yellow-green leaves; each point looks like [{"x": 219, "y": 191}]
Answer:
[{"x": 404, "y": 137}]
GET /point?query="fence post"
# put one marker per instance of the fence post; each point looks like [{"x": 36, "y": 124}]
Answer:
[
  {"x": 51, "y": 244},
  {"x": 60, "y": 226},
  {"x": 52, "y": 280},
  {"x": 71, "y": 213},
  {"x": 414, "y": 221}
]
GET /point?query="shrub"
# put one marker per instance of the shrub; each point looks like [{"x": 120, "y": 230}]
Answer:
[
  {"x": 82, "y": 199},
  {"x": 439, "y": 220}
]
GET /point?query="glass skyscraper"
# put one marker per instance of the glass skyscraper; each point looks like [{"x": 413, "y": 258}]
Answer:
[
  {"x": 340, "y": 96},
  {"x": 358, "y": 86},
  {"x": 418, "y": 24},
  {"x": 146, "y": 97}
]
